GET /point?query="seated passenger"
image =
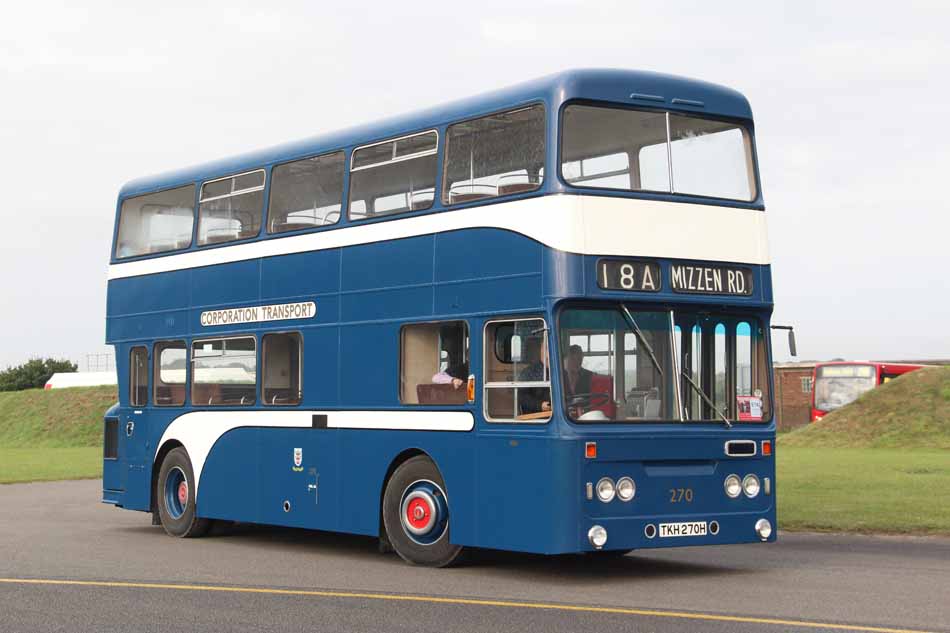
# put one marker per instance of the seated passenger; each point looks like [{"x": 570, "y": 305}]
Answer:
[{"x": 455, "y": 373}]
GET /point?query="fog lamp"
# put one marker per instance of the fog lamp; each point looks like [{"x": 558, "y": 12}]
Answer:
[
  {"x": 763, "y": 528},
  {"x": 597, "y": 536}
]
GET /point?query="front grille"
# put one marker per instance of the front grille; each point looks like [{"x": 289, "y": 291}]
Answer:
[{"x": 110, "y": 445}]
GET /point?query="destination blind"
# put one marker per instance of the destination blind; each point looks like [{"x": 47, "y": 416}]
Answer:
[{"x": 645, "y": 276}]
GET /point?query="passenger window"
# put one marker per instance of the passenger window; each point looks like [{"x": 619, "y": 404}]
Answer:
[
  {"x": 306, "y": 193},
  {"x": 231, "y": 208},
  {"x": 281, "y": 359},
  {"x": 170, "y": 371},
  {"x": 496, "y": 155},
  {"x": 393, "y": 177},
  {"x": 224, "y": 372},
  {"x": 138, "y": 377},
  {"x": 517, "y": 371},
  {"x": 434, "y": 363},
  {"x": 156, "y": 223}
]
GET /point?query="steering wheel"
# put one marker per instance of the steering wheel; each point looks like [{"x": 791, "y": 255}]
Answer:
[{"x": 588, "y": 400}]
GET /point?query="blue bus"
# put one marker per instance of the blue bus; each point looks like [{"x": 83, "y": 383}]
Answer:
[{"x": 533, "y": 320}]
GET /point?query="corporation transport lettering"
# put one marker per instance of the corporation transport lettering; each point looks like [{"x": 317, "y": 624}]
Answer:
[{"x": 257, "y": 314}]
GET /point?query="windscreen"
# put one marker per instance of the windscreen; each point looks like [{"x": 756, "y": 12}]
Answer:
[
  {"x": 620, "y": 364},
  {"x": 634, "y": 150},
  {"x": 838, "y": 385}
]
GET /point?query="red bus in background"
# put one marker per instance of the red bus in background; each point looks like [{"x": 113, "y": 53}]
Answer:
[{"x": 839, "y": 383}]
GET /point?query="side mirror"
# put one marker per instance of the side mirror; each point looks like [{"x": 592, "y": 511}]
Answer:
[{"x": 792, "y": 347}]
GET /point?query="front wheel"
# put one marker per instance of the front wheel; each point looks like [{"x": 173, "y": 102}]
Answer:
[
  {"x": 416, "y": 514},
  {"x": 175, "y": 497}
]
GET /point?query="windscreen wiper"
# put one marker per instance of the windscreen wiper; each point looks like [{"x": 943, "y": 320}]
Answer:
[
  {"x": 703, "y": 395},
  {"x": 643, "y": 339}
]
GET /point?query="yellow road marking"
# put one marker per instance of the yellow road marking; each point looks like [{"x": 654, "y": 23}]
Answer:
[{"x": 463, "y": 601}]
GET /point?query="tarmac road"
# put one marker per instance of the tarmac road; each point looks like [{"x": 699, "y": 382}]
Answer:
[{"x": 69, "y": 563}]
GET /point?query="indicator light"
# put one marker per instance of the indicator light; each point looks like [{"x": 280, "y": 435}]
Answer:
[
  {"x": 590, "y": 450},
  {"x": 766, "y": 447}
]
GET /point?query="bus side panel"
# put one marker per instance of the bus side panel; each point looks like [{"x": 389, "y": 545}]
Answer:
[
  {"x": 152, "y": 304},
  {"x": 299, "y": 474},
  {"x": 526, "y": 490},
  {"x": 230, "y": 484}
]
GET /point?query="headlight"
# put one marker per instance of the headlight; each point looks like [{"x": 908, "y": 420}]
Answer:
[
  {"x": 597, "y": 536},
  {"x": 733, "y": 486},
  {"x": 606, "y": 490},
  {"x": 626, "y": 489},
  {"x": 750, "y": 486},
  {"x": 763, "y": 528}
]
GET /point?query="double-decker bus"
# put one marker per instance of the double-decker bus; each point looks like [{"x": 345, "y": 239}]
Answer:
[
  {"x": 835, "y": 384},
  {"x": 533, "y": 320}
]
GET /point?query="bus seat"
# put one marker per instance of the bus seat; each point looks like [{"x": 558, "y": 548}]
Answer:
[
  {"x": 440, "y": 394},
  {"x": 604, "y": 384},
  {"x": 518, "y": 187}
]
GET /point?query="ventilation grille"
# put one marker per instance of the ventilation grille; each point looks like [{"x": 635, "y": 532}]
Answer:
[
  {"x": 740, "y": 448},
  {"x": 110, "y": 445}
]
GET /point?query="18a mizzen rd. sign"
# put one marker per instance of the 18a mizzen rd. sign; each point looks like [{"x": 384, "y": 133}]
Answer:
[{"x": 256, "y": 314}]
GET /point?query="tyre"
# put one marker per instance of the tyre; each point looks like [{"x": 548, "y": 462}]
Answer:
[
  {"x": 175, "y": 497},
  {"x": 416, "y": 514}
]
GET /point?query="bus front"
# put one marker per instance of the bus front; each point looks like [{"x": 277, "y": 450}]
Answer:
[
  {"x": 838, "y": 384},
  {"x": 661, "y": 331}
]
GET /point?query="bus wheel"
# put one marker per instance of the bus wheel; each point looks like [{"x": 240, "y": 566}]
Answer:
[
  {"x": 416, "y": 514},
  {"x": 175, "y": 496}
]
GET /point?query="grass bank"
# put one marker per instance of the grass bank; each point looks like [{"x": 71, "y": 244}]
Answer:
[
  {"x": 895, "y": 491},
  {"x": 56, "y": 434}
]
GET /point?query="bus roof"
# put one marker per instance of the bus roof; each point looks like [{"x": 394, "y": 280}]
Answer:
[{"x": 637, "y": 88}]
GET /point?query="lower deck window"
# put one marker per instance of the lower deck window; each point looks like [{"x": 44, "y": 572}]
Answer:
[
  {"x": 434, "y": 364},
  {"x": 171, "y": 372},
  {"x": 138, "y": 377},
  {"x": 281, "y": 359},
  {"x": 224, "y": 372},
  {"x": 517, "y": 371}
]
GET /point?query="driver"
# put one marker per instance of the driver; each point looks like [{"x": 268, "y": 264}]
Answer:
[{"x": 577, "y": 380}]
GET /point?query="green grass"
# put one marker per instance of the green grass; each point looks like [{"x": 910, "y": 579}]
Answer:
[
  {"x": 912, "y": 411},
  {"x": 50, "y": 435},
  {"x": 49, "y": 464},
  {"x": 58, "y": 418},
  {"x": 894, "y": 491}
]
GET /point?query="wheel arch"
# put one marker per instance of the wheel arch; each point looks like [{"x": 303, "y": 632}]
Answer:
[{"x": 164, "y": 450}]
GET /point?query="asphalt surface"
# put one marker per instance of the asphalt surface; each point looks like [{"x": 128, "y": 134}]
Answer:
[{"x": 69, "y": 563}]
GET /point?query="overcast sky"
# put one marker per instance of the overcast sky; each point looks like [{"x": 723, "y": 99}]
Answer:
[{"x": 850, "y": 105}]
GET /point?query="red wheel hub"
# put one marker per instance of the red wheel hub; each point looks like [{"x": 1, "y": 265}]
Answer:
[
  {"x": 183, "y": 493},
  {"x": 418, "y": 514}
]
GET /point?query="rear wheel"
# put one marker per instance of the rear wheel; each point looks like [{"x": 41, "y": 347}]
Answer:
[
  {"x": 175, "y": 497},
  {"x": 416, "y": 514}
]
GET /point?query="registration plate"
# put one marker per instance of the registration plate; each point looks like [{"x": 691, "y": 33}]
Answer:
[{"x": 694, "y": 528}]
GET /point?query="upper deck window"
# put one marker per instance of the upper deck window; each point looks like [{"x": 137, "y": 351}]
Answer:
[
  {"x": 306, "y": 193},
  {"x": 231, "y": 208},
  {"x": 156, "y": 222},
  {"x": 632, "y": 150},
  {"x": 496, "y": 155},
  {"x": 394, "y": 176}
]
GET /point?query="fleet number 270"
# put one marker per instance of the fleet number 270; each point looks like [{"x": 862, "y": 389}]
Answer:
[{"x": 681, "y": 495}]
